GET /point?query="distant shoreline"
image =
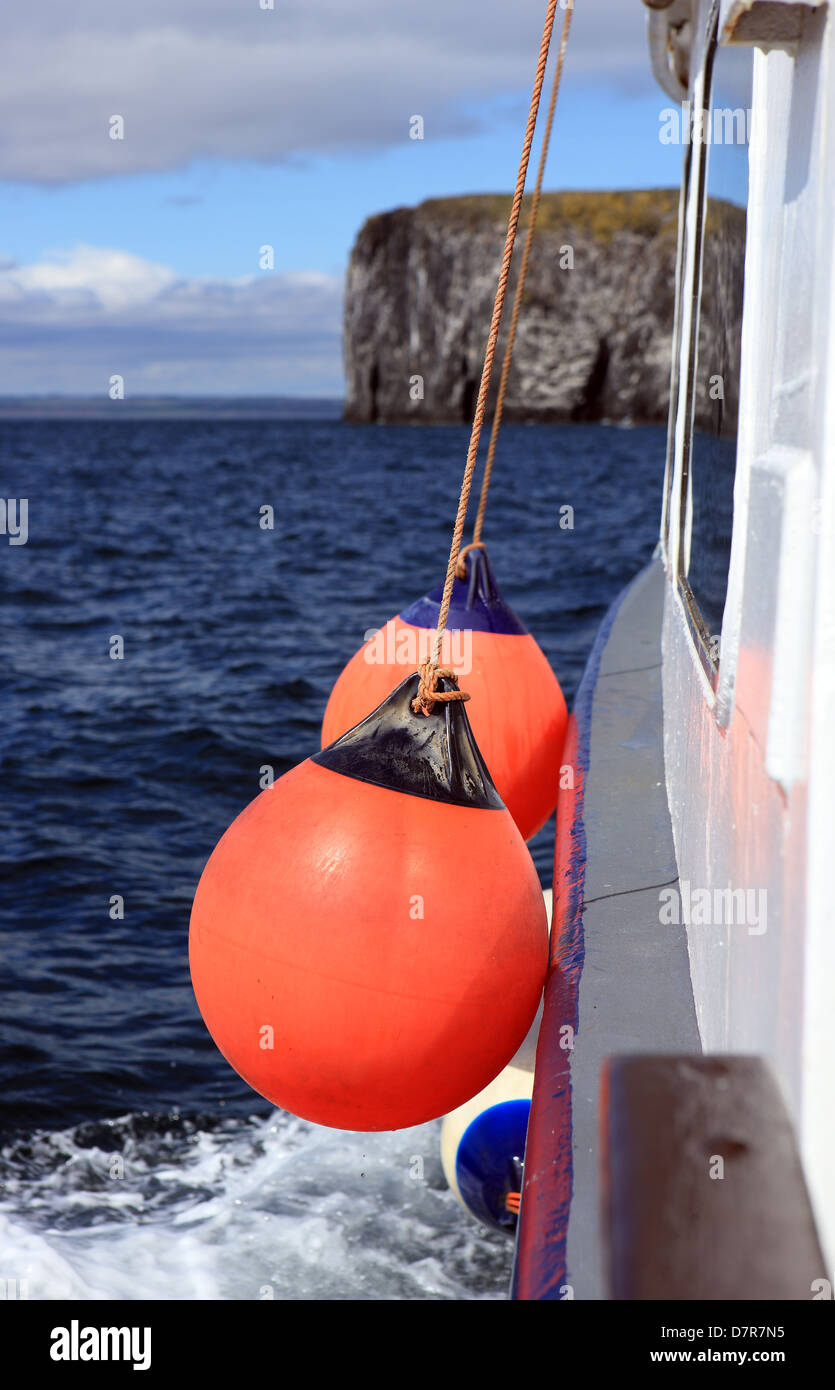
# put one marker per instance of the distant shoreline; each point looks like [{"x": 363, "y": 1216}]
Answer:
[
  {"x": 330, "y": 409},
  {"x": 172, "y": 408}
]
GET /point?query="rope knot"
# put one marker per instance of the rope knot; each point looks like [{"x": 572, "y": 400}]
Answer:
[
  {"x": 428, "y": 695},
  {"x": 461, "y": 568}
]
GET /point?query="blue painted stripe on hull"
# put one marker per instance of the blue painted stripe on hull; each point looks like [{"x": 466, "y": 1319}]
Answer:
[{"x": 539, "y": 1271}]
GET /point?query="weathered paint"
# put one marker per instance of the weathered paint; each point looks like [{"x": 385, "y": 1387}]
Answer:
[
  {"x": 751, "y": 767},
  {"x": 703, "y": 1187},
  {"x": 619, "y": 976},
  {"x": 540, "y": 1267}
]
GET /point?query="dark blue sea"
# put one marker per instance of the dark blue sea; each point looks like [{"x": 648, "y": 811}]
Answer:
[{"x": 134, "y": 1163}]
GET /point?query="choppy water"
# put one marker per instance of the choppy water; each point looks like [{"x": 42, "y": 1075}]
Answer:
[{"x": 119, "y": 777}]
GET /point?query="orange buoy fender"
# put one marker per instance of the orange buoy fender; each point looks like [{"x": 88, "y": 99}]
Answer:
[
  {"x": 517, "y": 710},
  {"x": 367, "y": 940}
]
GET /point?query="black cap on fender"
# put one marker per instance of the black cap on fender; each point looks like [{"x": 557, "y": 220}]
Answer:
[{"x": 433, "y": 756}]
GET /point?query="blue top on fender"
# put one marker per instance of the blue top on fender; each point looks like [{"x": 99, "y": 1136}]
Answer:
[
  {"x": 475, "y": 604},
  {"x": 488, "y": 1163}
]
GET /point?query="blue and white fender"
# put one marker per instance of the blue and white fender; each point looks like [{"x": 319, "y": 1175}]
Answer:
[{"x": 483, "y": 1141}]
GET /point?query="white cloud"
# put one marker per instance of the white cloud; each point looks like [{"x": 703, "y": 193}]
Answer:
[
  {"x": 210, "y": 78},
  {"x": 87, "y": 277},
  {"x": 74, "y": 319}
]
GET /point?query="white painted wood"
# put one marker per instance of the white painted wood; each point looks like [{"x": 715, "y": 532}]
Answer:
[
  {"x": 751, "y": 773},
  {"x": 767, "y": 156},
  {"x": 764, "y": 23},
  {"x": 795, "y": 552},
  {"x": 815, "y": 73}
]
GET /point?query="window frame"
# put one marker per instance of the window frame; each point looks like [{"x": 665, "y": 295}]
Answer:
[{"x": 677, "y": 516}]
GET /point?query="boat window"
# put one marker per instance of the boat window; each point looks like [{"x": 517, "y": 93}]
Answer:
[
  {"x": 710, "y": 459},
  {"x": 675, "y": 376}
]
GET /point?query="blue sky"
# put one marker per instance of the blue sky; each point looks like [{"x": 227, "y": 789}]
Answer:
[
  {"x": 211, "y": 217},
  {"x": 245, "y": 127}
]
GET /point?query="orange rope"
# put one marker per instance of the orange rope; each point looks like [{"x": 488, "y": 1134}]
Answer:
[
  {"x": 425, "y": 698},
  {"x": 461, "y": 568},
  {"x": 428, "y": 693},
  {"x": 523, "y": 271}
]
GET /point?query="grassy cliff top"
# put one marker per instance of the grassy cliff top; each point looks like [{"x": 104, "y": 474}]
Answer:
[
  {"x": 647, "y": 211},
  {"x": 599, "y": 216}
]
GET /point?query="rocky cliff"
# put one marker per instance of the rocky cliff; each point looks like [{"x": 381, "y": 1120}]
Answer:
[{"x": 595, "y": 330}]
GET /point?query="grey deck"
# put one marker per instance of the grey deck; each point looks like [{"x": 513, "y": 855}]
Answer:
[{"x": 635, "y": 994}]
